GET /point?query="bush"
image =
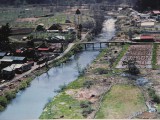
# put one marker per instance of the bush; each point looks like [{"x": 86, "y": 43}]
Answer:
[
  {"x": 153, "y": 95},
  {"x": 1, "y": 108},
  {"x": 3, "y": 101},
  {"x": 156, "y": 98},
  {"x": 23, "y": 86},
  {"x": 87, "y": 111},
  {"x": 10, "y": 95},
  {"x": 88, "y": 84},
  {"x": 85, "y": 104},
  {"x": 101, "y": 71},
  {"x": 40, "y": 28},
  {"x": 61, "y": 88}
]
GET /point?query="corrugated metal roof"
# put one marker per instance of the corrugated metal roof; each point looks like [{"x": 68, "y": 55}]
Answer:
[
  {"x": 6, "y": 60},
  {"x": 12, "y": 67},
  {"x": 2, "y": 53},
  {"x": 13, "y": 58}
]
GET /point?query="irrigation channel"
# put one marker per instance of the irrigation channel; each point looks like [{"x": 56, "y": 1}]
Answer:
[{"x": 30, "y": 103}]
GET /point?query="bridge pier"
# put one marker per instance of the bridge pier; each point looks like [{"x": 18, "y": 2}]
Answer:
[
  {"x": 100, "y": 45},
  {"x": 93, "y": 46},
  {"x": 85, "y": 46}
]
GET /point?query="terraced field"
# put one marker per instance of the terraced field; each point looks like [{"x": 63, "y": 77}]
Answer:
[{"x": 141, "y": 53}]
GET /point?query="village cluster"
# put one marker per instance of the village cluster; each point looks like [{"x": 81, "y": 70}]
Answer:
[{"x": 33, "y": 55}]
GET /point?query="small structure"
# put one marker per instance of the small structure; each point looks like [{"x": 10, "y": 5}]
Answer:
[
  {"x": 155, "y": 12},
  {"x": 57, "y": 39},
  {"x": 14, "y": 59},
  {"x": 144, "y": 38},
  {"x": 20, "y": 51},
  {"x": 25, "y": 67},
  {"x": 56, "y": 27},
  {"x": 43, "y": 47},
  {"x": 9, "y": 72},
  {"x": 147, "y": 24},
  {"x": 2, "y": 54}
]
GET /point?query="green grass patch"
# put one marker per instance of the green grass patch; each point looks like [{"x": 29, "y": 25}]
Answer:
[
  {"x": 63, "y": 106},
  {"x": 77, "y": 83},
  {"x": 154, "y": 56},
  {"x": 121, "y": 102},
  {"x": 158, "y": 108},
  {"x": 121, "y": 54}
]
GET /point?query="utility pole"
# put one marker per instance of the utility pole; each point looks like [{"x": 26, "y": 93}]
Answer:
[{"x": 78, "y": 25}]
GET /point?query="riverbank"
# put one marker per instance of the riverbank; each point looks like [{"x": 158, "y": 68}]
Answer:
[
  {"x": 24, "y": 82},
  {"x": 88, "y": 91},
  {"x": 105, "y": 92}
]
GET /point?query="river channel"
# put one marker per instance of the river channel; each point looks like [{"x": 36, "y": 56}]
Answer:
[{"x": 30, "y": 103}]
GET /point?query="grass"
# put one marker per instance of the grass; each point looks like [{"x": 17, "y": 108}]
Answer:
[
  {"x": 154, "y": 56},
  {"x": 121, "y": 102},
  {"x": 10, "y": 15},
  {"x": 158, "y": 108},
  {"x": 77, "y": 83},
  {"x": 121, "y": 54},
  {"x": 63, "y": 106}
]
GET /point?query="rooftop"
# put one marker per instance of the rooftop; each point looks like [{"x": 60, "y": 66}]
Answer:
[
  {"x": 147, "y": 24},
  {"x": 156, "y": 11},
  {"x": 146, "y": 37},
  {"x": 2, "y": 53},
  {"x": 13, "y": 67},
  {"x": 12, "y": 58}
]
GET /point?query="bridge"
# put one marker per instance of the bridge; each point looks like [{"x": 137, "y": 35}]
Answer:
[
  {"x": 108, "y": 43},
  {"x": 103, "y": 42}
]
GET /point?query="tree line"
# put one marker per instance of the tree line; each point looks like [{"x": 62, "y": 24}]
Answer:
[
  {"x": 143, "y": 5},
  {"x": 61, "y": 2}
]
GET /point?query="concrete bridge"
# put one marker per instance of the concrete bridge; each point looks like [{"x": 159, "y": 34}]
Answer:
[{"x": 98, "y": 44}]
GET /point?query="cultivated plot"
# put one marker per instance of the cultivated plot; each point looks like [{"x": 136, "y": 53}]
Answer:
[{"x": 141, "y": 53}]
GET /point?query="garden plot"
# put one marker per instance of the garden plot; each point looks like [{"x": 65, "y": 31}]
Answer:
[{"x": 142, "y": 54}]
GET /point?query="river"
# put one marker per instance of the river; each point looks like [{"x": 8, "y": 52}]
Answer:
[{"x": 29, "y": 103}]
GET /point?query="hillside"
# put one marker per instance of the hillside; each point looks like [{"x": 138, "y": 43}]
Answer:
[{"x": 62, "y": 2}]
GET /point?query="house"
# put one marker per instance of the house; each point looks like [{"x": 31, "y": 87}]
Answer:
[
  {"x": 43, "y": 47},
  {"x": 57, "y": 39},
  {"x": 144, "y": 38},
  {"x": 25, "y": 67},
  {"x": 147, "y": 24},
  {"x": 9, "y": 72},
  {"x": 14, "y": 59},
  {"x": 155, "y": 12}
]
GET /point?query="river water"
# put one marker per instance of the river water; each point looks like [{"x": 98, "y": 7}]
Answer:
[{"x": 29, "y": 103}]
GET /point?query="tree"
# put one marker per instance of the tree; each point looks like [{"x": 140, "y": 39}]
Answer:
[
  {"x": 132, "y": 69},
  {"x": 40, "y": 28},
  {"x": 143, "y": 5},
  {"x": 5, "y": 32}
]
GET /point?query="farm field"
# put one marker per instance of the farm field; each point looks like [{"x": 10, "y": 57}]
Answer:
[
  {"x": 141, "y": 53},
  {"x": 30, "y": 17},
  {"x": 116, "y": 102}
]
